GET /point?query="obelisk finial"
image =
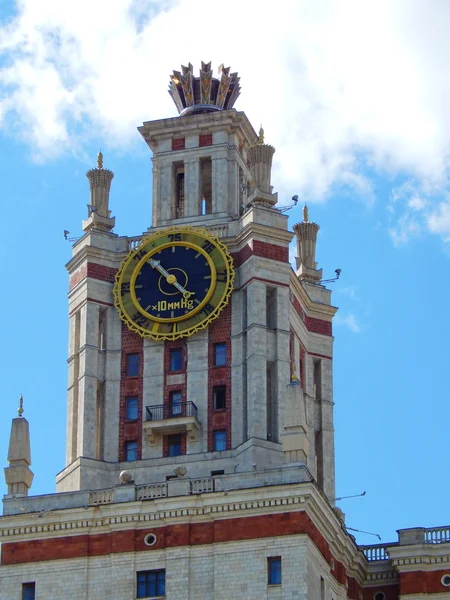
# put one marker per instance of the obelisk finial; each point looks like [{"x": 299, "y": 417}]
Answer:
[
  {"x": 100, "y": 160},
  {"x": 261, "y": 136},
  {"x": 20, "y": 409},
  {"x": 305, "y": 214}
]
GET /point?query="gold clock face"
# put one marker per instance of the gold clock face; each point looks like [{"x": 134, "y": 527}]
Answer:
[{"x": 174, "y": 283}]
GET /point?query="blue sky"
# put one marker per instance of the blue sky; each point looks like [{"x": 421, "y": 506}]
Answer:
[{"x": 355, "y": 97}]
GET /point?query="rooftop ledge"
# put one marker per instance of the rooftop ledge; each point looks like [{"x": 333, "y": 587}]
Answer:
[{"x": 179, "y": 486}]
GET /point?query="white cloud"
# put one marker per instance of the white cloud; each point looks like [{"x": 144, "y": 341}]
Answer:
[
  {"x": 340, "y": 87},
  {"x": 349, "y": 320}
]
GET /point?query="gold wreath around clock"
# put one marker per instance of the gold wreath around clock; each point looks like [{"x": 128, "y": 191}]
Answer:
[{"x": 174, "y": 283}]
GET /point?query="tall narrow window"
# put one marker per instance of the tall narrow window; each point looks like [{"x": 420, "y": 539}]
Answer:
[
  {"x": 102, "y": 329},
  {"x": 220, "y": 440},
  {"x": 174, "y": 445},
  {"x": 132, "y": 365},
  {"x": 322, "y": 588},
  {"x": 131, "y": 408},
  {"x": 28, "y": 591},
  {"x": 318, "y": 379},
  {"x": 175, "y": 359},
  {"x": 274, "y": 570},
  {"x": 179, "y": 195},
  {"x": 220, "y": 354},
  {"x": 100, "y": 418},
  {"x": 206, "y": 181},
  {"x": 151, "y": 583},
  {"x": 219, "y": 397},
  {"x": 131, "y": 450},
  {"x": 271, "y": 308},
  {"x": 175, "y": 403}
]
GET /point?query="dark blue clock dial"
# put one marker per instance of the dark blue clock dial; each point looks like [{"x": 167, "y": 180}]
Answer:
[{"x": 174, "y": 282}]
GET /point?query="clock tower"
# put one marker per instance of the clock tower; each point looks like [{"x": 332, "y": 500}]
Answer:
[{"x": 196, "y": 346}]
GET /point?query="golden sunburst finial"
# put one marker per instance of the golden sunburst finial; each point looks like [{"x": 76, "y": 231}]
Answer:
[
  {"x": 20, "y": 409},
  {"x": 100, "y": 160},
  {"x": 305, "y": 214},
  {"x": 261, "y": 136}
]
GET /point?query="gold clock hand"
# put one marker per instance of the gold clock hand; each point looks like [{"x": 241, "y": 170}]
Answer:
[{"x": 171, "y": 279}]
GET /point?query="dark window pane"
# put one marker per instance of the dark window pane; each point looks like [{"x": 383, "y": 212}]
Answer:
[
  {"x": 132, "y": 365},
  {"x": 174, "y": 445},
  {"x": 131, "y": 449},
  {"x": 219, "y": 395},
  {"x": 220, "y": 354},
  {"x": 28, "y": 591},
  {"x": 220, "y": 440},
  {"x": 131, "y": 409},
  {"x": 175, "y": 359},
  {"x": 274, "y": 570},
  {"x": 151, "y": 583},
  {"x": 175, "y": 403}
]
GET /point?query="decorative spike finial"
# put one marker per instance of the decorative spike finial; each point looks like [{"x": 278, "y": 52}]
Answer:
[
  {"x": 20, "y": 409},
  {"x": 261, "y": 136},
  {"x": 100, "y": 160},
  {"x": 294, "y": 373},
  {"x": 305, "y": 214}
]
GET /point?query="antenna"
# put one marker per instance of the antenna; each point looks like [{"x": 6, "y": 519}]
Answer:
[
  {"x": 338, "y": 274},
  {"x": 70, "y": 239},
  {"x": 289, "y": 206},
  {"x": 353, "y": 496},
  {"x": 366, "y": 532}
]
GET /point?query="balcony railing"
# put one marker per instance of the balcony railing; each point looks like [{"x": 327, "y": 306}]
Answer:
[
  {"x": 437, "y": 535},
  {"x": 161, "y": 412},
  {"x": 376, "y": 552}
]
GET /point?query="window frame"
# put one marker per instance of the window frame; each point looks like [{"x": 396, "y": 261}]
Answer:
[
  {"x": 127, "y": 403},
  {"x": 223, "y": 437},
  {"x": 159, "y": 593},
  {"x": 169, "y": 445},
  {"x": 179, "y": 352},
  {"x": 273, "y": 570},
  {"x": 127, "y": 450},
  {"x": 31, "y": 585},
  {"x": 217, "y": 346},
  {"x": 128, "y": 364},
  {"x": 214, "y": 392},
  {"x": 176, "y": 408}
]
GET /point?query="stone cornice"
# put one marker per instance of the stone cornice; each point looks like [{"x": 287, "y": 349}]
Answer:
[{"x": 323, "y": 311}]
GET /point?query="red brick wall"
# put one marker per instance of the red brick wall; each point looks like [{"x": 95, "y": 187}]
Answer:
[
  {"x": 264, "y": 249},
  {"x": 175, "y": 387},
  {"x": 219, "y": 331},
  {"x": 129, "y": 431},
  {"x": 93, "y": 270},
  {"x": 178, "y": 144},
  {"x": 205, "y": 139},
  {"x": 423, "y": 582},
  {"x": 390, "y": 591},
  {"x": 311, "y": 323}
]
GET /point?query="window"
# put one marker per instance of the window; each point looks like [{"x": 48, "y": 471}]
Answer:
[
  {"x": 131, "y": 410},
  {"x": 175, "y": 403},
  {"x": 271, "y": 308},
  {"x": 131, "y": 449},
  {"x": 151, "y": 583},
  {"x": 218, "y": 472},
  {"x": 175, "y": 359},
  {"x": 132, "y": 365},
  {"x": 220, "y": 354},
  {"x": 219, "y": 397},
  {"x": 220, "y": 440},
  {"x": 28, "y": 591},
  {"x": 174, "y": 443},
  {"x": 274, "y": 570}
]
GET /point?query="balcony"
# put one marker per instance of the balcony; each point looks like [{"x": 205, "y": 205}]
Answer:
[{"x": 164, "y": 419}]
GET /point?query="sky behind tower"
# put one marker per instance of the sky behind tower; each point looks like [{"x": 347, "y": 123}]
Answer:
[{"x": 355, "y": 97}]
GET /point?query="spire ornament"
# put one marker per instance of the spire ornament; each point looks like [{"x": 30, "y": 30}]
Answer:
[
  {"x": 99, "y": 215},
  {"x": 197, "y": 95},
  {"x": 305, "y": 214},
  {"x": 261, "y": 136},
  {"x": 306, "y": 234},
  {"x": 20, "y": 409}
]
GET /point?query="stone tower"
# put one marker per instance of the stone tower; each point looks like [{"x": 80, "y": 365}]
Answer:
[{"x": 232, "y": 379}]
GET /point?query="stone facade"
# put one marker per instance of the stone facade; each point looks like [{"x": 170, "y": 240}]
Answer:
[{"x": 256, "y": 518}]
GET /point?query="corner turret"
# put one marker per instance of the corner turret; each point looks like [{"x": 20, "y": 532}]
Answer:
[{"x": 18, "y": 475}]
